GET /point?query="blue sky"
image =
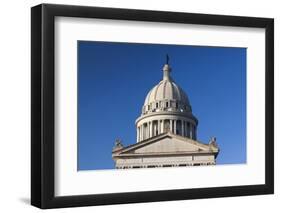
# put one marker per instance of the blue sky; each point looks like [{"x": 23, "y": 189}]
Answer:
[{"x": 114, "y": 78}]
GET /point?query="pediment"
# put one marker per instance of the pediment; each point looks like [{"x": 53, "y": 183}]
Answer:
[{"x": 167, "y": 144}]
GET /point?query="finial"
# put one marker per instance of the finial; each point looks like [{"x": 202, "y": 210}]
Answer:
[
  {"x": 213, "y": 142},
  {"x": 118, "y": 145},
  {"x": 167, "y": 59},
  {"x": 166, "y": 69}
]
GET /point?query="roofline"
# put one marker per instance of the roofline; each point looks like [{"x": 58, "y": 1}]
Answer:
[
  {"x": 167, "y": 134},
  {"x": 142, "y": 142},
  {"x": 121, "y": 155}
]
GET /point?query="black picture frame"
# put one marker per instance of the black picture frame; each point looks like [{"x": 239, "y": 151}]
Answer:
[{"x": 43, "y": 111}]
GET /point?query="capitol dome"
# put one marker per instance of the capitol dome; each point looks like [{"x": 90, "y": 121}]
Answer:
[
  {"x": 166, "y": 95},
  {"x": 166, "y": 108},
  {"x": 166, "y": 90}
]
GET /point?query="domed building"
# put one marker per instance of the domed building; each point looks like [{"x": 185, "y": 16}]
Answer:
[{"x": 166, "y": 132}]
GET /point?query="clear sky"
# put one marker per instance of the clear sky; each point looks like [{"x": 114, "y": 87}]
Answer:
[{"x": 114, "y": 79}]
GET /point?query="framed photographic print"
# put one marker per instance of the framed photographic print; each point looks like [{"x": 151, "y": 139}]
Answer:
[{"x": 139, "y": 106}]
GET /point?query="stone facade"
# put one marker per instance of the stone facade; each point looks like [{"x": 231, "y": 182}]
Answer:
[
  {"x": 165, "y": 150},
  {"x": 166, "y": 132}
]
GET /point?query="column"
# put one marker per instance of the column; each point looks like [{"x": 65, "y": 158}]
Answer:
[
  {"x": 142, "y": 132},
  {"x": 154, "y": 128},
  {"x": 150, "y": 129},
  {"x": 175, "y": 126},
  {"x": 138, "y": 134},
  {"x": 143, "y": 126},
  {"x": 182, "y": 128},
  {"x": 171, "y": 126},
  {"x": 162, "y": 126},
  {"x": 147, "y": 131},
  {"x": 158, "y": 126}
]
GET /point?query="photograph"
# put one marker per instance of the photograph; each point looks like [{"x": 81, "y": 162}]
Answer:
[
  {"x": 135, "y": 105},
  {"x": 143, "y": 105}
]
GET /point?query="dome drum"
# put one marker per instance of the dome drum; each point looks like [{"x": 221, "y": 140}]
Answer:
[{"x": 177, "y": 126}]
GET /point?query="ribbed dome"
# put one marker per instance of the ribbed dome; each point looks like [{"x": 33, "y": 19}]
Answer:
[
  {"x": 166, "y": 108},
  {"x": 166, "y": 96},
  {"x": 166, "y": 90}
]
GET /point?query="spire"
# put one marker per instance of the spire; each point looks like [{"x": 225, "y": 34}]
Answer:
[
  {"x": 166, "y": 69},
  {"x": 167, "y": 59}
]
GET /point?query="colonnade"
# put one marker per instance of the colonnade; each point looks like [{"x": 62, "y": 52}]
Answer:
[{"x": 175, "y": 126}]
